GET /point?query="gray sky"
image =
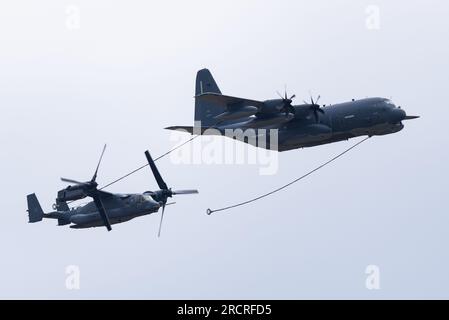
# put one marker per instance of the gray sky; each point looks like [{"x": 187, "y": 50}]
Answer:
[{"x": 128, "y": 71}]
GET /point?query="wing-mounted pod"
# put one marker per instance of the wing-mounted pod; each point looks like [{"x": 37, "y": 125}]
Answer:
[
  {"x": 272, "y": 106},
  {"x": 226, "y": 107},
  {"x": 71, "y": 193},
  {"x": 282, "y": 105},
  {"x": 236, "y": 112},
  {"x": 236, "y": 108},
  {"x": 304, "y": 110}
]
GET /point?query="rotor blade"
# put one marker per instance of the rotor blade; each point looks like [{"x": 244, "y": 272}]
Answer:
[
  {"x": 102, "y": 212},
  {"x": 160, "y": 223},
  {"x": 280, "y": 95},
  {"x": 293, "y": 97},
  {"x": 98, "y": 165},
  {"x": 157, "y": 175},
  {"x": 317, "y": 99},
  {"x": 316, "y": 115},
  {"x": 184, "y": 192},
  {"x": 71, "y": 181}
]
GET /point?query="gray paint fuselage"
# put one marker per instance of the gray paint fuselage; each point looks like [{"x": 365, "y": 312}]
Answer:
[
  {"x": 120, "y": 208},
  {"x": 371, "y": 116}
]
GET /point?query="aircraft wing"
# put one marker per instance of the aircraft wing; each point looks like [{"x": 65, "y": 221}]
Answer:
[{"x": 228, "y": 102}]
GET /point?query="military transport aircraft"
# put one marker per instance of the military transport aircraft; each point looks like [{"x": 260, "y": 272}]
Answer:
[
  {"x": 106, "y": 208},
  {"x": 298, "y": 126}
]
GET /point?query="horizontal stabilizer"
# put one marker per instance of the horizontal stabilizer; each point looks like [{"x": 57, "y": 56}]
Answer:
[{"x": 188, "y": 129}]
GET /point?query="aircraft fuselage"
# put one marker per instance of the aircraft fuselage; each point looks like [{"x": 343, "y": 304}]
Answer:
[
  {"x": 371, "y": 116},
  {"x": 120, "y": 209}
]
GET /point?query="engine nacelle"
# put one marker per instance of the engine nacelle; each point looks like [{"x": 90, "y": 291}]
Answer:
[
  {"x": 71, "y": 194},
  {"x": 272, "y": 106},
  {"x": 302, "y": 111}
]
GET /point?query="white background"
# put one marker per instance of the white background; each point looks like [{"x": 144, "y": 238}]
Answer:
[{"x": 129, "y": 71}]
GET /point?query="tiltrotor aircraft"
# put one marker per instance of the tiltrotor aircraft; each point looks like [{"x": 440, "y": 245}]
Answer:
[
  {"x": 106, "y": 208},
  {"x": 298, "y": 126}
]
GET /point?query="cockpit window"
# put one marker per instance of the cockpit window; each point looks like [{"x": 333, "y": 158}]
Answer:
[{"x": 389, "y": 103}]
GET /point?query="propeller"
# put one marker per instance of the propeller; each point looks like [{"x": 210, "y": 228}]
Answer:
[
  {"x": 315, "y": 107},
  {"x": 287, "y": 102},
  {"x": 184, "y": 192},
  {"x": 98, "y": 165},
  {"x": 162, "y": 218},
  {"x": 90, "y": 189},
  {"x": 72, "y": 181},
  {"x": 165, "y": 192}
]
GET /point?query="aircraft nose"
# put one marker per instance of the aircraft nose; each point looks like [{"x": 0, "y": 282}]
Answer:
[
  {"x": 397, "y": 115},
  {"x": 152, "y": 205}
]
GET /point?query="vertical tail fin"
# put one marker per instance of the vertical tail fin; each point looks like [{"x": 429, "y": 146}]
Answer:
[
  {"x": 205, "y": 83},
  {"x": 35, "y": 213},
  {"x": 206, "y": 110}
]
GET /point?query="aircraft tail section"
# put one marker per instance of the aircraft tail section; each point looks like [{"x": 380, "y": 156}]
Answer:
[
  {"x": 62, "y": 205},
  {"x": 35, "y": 213},
  {"x": 206, "y": 110},
  {"x": 213, "y": 108},
  {"x": 205, "y": 83},
  {"x": 187, "y": 129}
]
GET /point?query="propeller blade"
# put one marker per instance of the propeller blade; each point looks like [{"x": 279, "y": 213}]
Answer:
[
  {"x": 184, "y": 192},
  {"x": 316, "y": 115},
  {"x": 71, "y": 181},
  {"x": 157, "y": 175},
  {"x": 102, "y": 212},
  {"x": 317, "y": 99},
  {"x": 162, "y": 218},
  {"x": 98, "y": 165},
  {"x": 320, "y": 110},
  {"x": 280, "y": 95},
  {"x": 293, "y": 97}
]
